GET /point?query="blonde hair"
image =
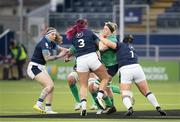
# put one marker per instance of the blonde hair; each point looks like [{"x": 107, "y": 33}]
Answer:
[
  {"x": 58, "y": 39},
  {"x": 112, "y": 26}
]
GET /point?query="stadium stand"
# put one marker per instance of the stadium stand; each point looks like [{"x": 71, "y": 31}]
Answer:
[
  {"x": 170, "y": 18},
  {"x": 157, "y": 10}
]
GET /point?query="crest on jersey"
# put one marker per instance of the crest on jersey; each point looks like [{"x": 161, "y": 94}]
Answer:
[
  {"x": 46, "y": 44},
  {"x": 79, "y": 35}
]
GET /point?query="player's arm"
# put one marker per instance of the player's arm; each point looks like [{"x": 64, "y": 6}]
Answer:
[
  {"x": 47, "y": 55},
  {"x": 107, "y": 42},
  {"x": 102, "y": 47},
  {"x": 63, "y": 52},
  {"x": 72, "y": 51}
]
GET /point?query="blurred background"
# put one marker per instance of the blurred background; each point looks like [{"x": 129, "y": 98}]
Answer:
[{"x": 155, "y": 24}]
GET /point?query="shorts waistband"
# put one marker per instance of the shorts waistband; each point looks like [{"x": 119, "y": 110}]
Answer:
[
  {"x": 36, "y": 64},
  {"x": 129, "y": 66}
]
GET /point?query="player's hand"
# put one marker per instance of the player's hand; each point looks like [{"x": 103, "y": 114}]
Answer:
[{"x": 66, "y": 60}]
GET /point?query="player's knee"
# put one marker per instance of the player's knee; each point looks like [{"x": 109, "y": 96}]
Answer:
[
  {"x": 50, "y": 87},
  {"x": 92, "y": 88},
  {"x": 71, "y": 80},
  {"x": 127, "y": 93}
]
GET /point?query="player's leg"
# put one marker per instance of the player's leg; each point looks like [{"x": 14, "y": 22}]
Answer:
[
  {"x": 83, "y": 78},
  {"x": 112, "y": 71},
  {"x": 125, "y": 86},
  {"x": 143, "y": 87},
  {"x": 110, "y": 108},
  {"x": 93, "y": 85},
  {"x": 36, "y": 71},
  {"x": 104, "y": 77},
  {"x": 93, "y": 88},
  {"x": 72, "y": 80},
  {"x": 127, "y": 97},
  {"x": 49, "y": 98},
  {"x": 48, "y": 87}
]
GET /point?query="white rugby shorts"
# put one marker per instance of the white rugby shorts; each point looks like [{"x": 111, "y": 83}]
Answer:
[
  {"x": 35, "y": 68},
  {"x": 88, "y": 62},
  {"x": 130, "y": 73}
]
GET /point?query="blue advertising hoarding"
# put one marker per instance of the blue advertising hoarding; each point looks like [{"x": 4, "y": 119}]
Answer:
[{"x": 133, "y": 15}]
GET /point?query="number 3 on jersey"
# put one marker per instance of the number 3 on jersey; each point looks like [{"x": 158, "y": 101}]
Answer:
[{"x": 81, "y": 43}]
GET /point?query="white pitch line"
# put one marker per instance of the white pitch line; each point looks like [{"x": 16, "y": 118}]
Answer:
[
  {"x": 66, "y": 92},
  {"x": 168, "y": 104}
]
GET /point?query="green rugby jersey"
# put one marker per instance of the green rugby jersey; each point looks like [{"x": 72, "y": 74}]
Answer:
[{"x": 108, "y": 57}]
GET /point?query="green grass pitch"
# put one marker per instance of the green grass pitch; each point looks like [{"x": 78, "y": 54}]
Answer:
[{"x": 18, "y": 97}]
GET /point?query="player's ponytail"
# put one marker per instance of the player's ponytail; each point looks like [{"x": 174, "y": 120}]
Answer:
[{"x": 78, "y": 27}]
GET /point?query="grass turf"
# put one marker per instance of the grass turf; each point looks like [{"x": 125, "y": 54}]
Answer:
[{"x": 18, "y": 97}]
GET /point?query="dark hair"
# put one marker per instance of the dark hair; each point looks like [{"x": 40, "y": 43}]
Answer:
[
  {"x": 80, "y": 24},
  {"x": 12, "y": 43},
  {"x": 128, "y": 39}
]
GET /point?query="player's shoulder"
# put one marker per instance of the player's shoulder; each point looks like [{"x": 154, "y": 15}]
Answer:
[{"x": 88, "y": 30}]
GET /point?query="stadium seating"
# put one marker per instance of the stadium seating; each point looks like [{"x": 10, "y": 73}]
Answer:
[
  {"x": 158, "y": 13},
  {"x": 170, "y": 18}
]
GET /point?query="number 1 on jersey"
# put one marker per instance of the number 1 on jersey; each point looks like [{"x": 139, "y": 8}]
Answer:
[{"x": 132, "y": 54}]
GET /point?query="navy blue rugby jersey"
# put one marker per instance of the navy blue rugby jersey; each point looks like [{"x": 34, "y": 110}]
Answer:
[
  {"x": 44, "y": 44},
  {"x": 126, "y": 54},
  {"x": 85, "y": 42}
]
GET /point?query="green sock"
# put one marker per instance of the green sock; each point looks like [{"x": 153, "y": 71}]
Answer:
[
  {"x": 115, "y": 89},
  {"x": 112, "y": 100},
  {"x": 107, "y": 101},
  {"x": 75, "y": 92},
  {"x": 94, "y": 95}
]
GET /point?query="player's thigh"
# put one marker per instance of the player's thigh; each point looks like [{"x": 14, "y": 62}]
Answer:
[
  {"x": 101, "y": 72},
  {"x": 82, "y": 65},
  {"x": 83, "y": 78},
  {"x": 138, "y": 74},
  {"x": 126, "y": 76},
  {"x": 44, "y": 79}
]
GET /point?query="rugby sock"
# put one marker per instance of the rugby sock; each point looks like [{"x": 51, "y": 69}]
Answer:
[
  {"x": 107, "y": 100},
  {"x": 115, "y": 89},
  {"x": 48, "y": 107},
  {"x": 74, "y": 91},
  {"x": 152, "y": 99},
  {"x": 83, "y": 104},
  {"x": 39, "y": 102},
  {"x": 112, "y": 100},
  {"x": 43, "y": 95},
  {"x": 94, "y": 95},
  {"x": 127, "y": 102},
  {"x": 100, "y": 94}
]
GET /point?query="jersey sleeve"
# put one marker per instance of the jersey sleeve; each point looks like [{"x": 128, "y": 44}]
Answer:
[
  {"x": 118, "y": 45},
  {"x": 72, "y": 49},
  {"x": 113, "y": 39},
  {"x": 57, "y": 47},
  {"x": 44, "y": 46},
  {"x": 95, "y": 37}
]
